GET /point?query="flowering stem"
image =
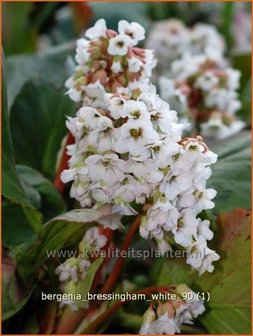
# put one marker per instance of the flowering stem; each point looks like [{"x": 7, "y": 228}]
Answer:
[
  {"x": 59, "y": 185},
  {"x": 117, "y": 305},
  {"x": 111, "y": 281},
  {"x": 69, "y": 319}
]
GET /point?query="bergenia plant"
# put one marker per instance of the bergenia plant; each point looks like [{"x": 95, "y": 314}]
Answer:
[
  {"x": 207, "y": 93},
  {"x": 195, "y": 78},
  {"x": 129, "y": 162},
  {"x": 172, "y": 40}
]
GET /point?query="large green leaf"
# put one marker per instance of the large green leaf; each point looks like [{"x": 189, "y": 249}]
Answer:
[
  {"x": 11, "y": 187},
  {"x": 38, "y": 125},
  {"x": 15, "y": 228},
  {"x": 41, "y": 192},
  {"x": 229, "y": 286},
  {"x": 52, "y": 237},
  {"x": 19, "y": 223},
  {"x": 50, "y": 66},
  {"x": 232, "y": 173},
  {"x": 14, "y": 297}
]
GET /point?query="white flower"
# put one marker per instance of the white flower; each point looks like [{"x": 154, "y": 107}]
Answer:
[
  {"x": 98, "y": 30},
  {"x": 82, "y": 53},
  {"x": 204, "y": 229},
  {"x": 73, "y": 269},
  {"x": 135, "y": 110},
  {"x": 200, "y": 256},
  {"x": 185, "y": 228},
  {"x": 233, "y": 79},
  {"x": 162, "y": 116},
  {"x": 215, "y": 128},
  {"x": 105, "y": 136},
  {"x": 94, "y": 239},
  {"x": 138, "y": 167},
  {"x": 134, "y": 30},
  {"x": 135, "y": 135},
  {"x": 74, "y": 94},
  {"x": 116, "y": 67},
  {"x": 119, "y": 44},
  {"x": 108, "y": 168},
  {"x": 112, "y": 221},
  {"x": 163, "y": 326},
  {"x": 163, "y": 246},
  {"x": 134, "y": 64},
  {"x": 198, "y": 199},
  {"x": 115, "y": 105},
  {"x": 207, "y": 81},
  {"x": 191, "y": 309},
  {"x": 174, "y": 185}
]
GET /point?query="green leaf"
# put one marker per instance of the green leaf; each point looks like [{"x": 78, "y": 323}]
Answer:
[
  {"x": 19, "y": 223},
  {"x": 38, "y": 125},
  {"x": 11, "y": 187},
  {"x": 14, "y": 297},
  {"x": 49, "y": 66},
  {"x": 230, "y": 284},
  {"x": 20, "y": 219},
  {"x": 231, "y": 174},
  {"x": 229, "y": 308},
  {"x": 84, "y": 287},
  {"x": 18, "y": 34},
  {"x": 41, "y": 192},
  {"x": 54, "y": 235}
]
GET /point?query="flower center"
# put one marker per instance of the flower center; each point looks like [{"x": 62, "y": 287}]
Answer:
[
  {"x": 193, "y": 148},
  {"x": 136, "y": 132},
  {"x": 156, "y": 149},
  {"x": 176, "y": 157},
  {"x": 106, "y": 162},
  {"x": 136, "y": 114},
  {"x": 180, "y": 223},
  {"x": 172, "y": 179},
  {"x": 120, "y": 44},
  {"x": 155, "y": 117}
]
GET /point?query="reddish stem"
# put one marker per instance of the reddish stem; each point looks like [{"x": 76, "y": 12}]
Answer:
[
  {"x": 112, "y": 279},
  {"x": 59, "y": 185}
]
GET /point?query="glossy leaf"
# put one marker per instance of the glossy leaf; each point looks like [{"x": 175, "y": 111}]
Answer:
[
  {"x": 42, "y": 192},
  {"x": 231, "y": 174},
  {"x": 20, "y": 219},
  {"x": 38, "y": 125},
  {"x": 53, "y": 236},
  {"x": 50, "y": 66}
]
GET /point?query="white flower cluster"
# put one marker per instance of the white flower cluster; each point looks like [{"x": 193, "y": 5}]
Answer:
[
  {"x": 133, "y": 152},
  {"x": 108, "y": 61},
  {"x": 128, "y": 151},
  {"x": 75, "y": 269},
  {"x": 207, "y": 92},
  {"x": 166, "y": 318},
  {"x": 172, "y": 40}
]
